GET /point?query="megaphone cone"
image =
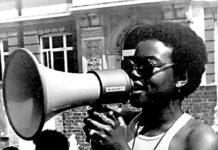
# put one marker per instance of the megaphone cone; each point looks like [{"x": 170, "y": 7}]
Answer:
[{"x": 33, "y": 93}]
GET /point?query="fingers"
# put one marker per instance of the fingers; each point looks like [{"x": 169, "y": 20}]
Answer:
[
  {"x": 94, "y": 135},
  {"x": 93, "y": 126},
  {"x": 121, "y": 121},
  {"x": 107, "y": 118},
  {"x": 95, "y": 130},
  {"x": 99, "y": 126},
  {"x": 96, "y": 139}
]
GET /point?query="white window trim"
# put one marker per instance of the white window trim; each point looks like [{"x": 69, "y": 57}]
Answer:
[
  {"x": 64, "y": 49},
  {"x": 3, "y": 54},
  {"x": 215, "y": 51}
]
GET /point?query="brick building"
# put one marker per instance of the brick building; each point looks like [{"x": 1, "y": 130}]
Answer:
[{"x": 77, "y": 36}]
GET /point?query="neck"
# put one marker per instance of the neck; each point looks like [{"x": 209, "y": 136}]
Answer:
[{"x": 156, "y": 121}]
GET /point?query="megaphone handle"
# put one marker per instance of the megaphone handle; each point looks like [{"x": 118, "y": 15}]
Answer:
[{"x": 98, "y": 107}]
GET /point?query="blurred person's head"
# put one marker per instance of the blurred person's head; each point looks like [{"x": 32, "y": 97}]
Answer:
[
  {"x": 11, "y": 148},
  {"x": 51, "y": 140}
]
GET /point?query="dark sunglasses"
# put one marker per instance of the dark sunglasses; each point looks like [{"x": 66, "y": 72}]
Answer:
[{"x": 144, "y": 66}]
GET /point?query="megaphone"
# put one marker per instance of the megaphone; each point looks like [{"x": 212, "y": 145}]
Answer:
[{"x": 33, "y": 93}]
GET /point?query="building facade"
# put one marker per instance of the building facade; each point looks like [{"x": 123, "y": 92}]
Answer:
[{"x": 77, "y": 36}]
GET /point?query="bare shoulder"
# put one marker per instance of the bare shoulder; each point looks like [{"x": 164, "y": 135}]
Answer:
[{"x": 202, "y": 137}]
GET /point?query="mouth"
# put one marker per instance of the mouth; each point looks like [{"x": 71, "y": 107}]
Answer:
[
  {"x": 140, "y": 85},
  {"x": 139, "y": 96}
]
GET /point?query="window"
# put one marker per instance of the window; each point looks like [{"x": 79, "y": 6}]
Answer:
[
  {"x": 4, "y": 55},
  {"x": 59, "y": 52}
]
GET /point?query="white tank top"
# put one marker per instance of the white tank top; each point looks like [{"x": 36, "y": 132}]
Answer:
[{"x": 149, "y": 143}]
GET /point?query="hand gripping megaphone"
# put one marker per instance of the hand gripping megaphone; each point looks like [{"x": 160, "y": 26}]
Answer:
[{"x": 32, "y": 93}]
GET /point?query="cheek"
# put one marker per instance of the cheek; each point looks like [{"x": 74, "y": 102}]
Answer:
[
  {"x": 162, "y": 81},
  {"x": 139, "y": 100}
]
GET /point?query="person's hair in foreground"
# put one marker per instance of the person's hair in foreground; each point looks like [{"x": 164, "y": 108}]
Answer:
[
  {"x": 51, "y": 139},
  {"x": 11, "y": 148}
]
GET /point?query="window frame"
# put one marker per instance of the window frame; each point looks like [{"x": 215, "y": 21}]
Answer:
[
  {"x": 64, "y": 49},
  {"x": 3, "y": 54}
]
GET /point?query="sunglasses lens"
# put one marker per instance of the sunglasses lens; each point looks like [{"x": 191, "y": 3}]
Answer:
[
  {"x": 146, "y": 68},
  {"x": 128, "y": 65},
  {"x": 142, "y": 66}
]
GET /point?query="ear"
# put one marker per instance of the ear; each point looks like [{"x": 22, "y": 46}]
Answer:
[{"x": 182, "y": 81}]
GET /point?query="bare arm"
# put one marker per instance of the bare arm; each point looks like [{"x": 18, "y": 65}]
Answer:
[{"x": 202, "y": 138}]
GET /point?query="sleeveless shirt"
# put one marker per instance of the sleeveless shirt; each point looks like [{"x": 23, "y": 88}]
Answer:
[{"x": 144, "y": 142}]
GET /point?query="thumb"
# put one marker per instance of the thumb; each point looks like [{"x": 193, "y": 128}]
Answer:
[{"x": 121, "y": 120}]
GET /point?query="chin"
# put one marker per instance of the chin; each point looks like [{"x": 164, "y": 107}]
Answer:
[{"x": 139, "y": 99}]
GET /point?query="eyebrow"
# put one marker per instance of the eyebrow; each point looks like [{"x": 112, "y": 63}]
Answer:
[
  {"x": 153, "y": 58},
  {"x": 148, "y": 57}
]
